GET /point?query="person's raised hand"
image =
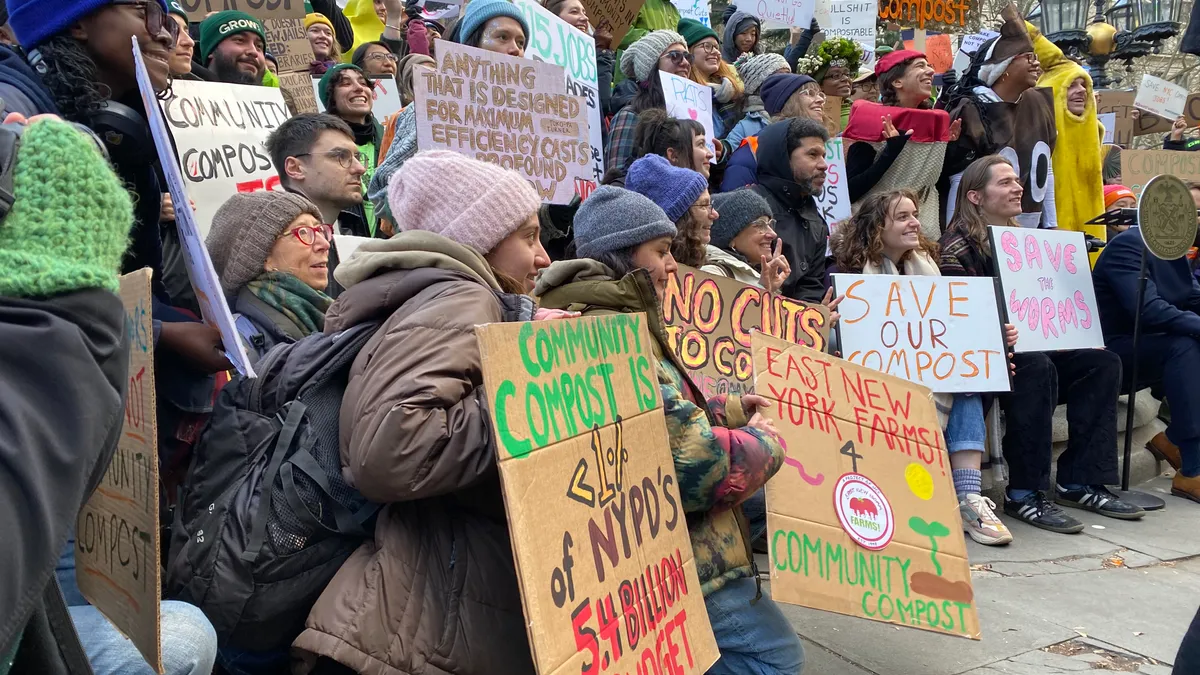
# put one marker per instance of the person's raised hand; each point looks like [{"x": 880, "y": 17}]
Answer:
[
  {"x": 1178, "y": 127},
  {"x": 603, "y": 35},
  {"x": 831, "y": 304},
  {"x": 166, "y": 212},
  {"x": 955, "y": 130},
  {"x": 753, "y": 403},
  {"x": 1010, "y": 334},
  {"x": 197, "y": 343},
  {"x": 774, "y": 270}
]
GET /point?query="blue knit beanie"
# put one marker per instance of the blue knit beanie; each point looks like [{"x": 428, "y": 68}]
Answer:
[
  {"x": 612, "y": 219},
  {"x": 672, "y": 188},
  {"x": 777, "y": 89},
  {"x": 738, "y": 209},
  {"x": 35, "y": 21},
  {"x": 480, "y": 12}
]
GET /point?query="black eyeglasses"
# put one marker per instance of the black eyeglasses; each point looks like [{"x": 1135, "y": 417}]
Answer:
[
  {"x": 344, "y": 157},
  {"x": 679, "y": 56},
  {"x": 157, "y": 20},
  {"x": 382, "y": 56}
]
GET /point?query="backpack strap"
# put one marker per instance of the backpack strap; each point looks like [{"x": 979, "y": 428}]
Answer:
[
  {"x": 258, "y": 531},
  {"x": 347, "y": 523}
]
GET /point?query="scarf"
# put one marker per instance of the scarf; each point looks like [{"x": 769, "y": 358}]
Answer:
[
  {"x": 299, "y": 302},
  {"x": 754, "y": 103}
]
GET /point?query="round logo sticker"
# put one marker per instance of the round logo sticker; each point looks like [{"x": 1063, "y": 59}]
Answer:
[{"x": 863, "y": 511}]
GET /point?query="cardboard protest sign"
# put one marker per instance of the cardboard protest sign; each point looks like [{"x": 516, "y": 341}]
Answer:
[
  {"x": 850, "y": 19},
  {"x": 688, "y": 100},
  {"x": 862, "y": 519},
  {"x": 698, "y": 10},
  {"x": 618, "y": 13},
  {"x": 1120, "y": 104},
  {"x": 833, "y": 115},
  {"x": 709, "y": 320},
  {"x": 1160, "y": 97},
  {"x": 263, "y": 9},
  {"x": 507, "y": 111},
  {"x": 944, "y": 333},
  {"x": 1153, "y": 124},
  {"x": 288, "y": 42},
  {"x": 780, "y": 13},
  {"x": 116, "y": 533},
  {"x": 221, "y": 131},
  {"x": 555, "y": 41},
  {"x": 1139, "y": 166},
  {"x": 298, "y": 93},
  {"x": 1046, "y": 285},
  {"x": 967, "y": 48},
  {"x": 608, "y": 579},
  {"x": 385, "y": 97},
  {"x": 939, "y": 51},
  {"x": 949, "y": 16},
  {"x": 205, "y": 282},
  {"x": 834, "y": 200}
]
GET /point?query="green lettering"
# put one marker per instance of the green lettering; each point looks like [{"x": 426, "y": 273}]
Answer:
[
  {"x": 532, "y": 392},
  {"x": 554, "y": 405},
  {"x": 545, "y": 351},
  {"x": 569, "y": 395},
  {"x": 606, "y": 371},
  {"x": 833, "y": 554},
  {"x": 643, "y": 372},
  {"x": 775, "y": 549},
  {"x": 635, "y": 327},
  {"x": 523, "y": 340},
  {"x": 559, "y": 340},
  {"x": 904, "y": 612},
  {"x": 517, "y": 447},
  {"x": 815, "y": 548},
  {"x": 866, "y": 610}
]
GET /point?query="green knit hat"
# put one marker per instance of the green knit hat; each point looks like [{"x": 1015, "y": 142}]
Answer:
[
  {"x": 221, "y": 25},
  {"x": 70, "y": 219},
  {"x": 325, "y": 86},
  {"x": 693, "y": 31}
]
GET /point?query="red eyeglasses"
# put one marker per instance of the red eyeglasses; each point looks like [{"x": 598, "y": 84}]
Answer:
[{"x": 307, "y": 234}]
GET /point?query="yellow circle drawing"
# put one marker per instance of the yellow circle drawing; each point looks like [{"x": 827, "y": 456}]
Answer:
[{"x": 919, "y": 481}]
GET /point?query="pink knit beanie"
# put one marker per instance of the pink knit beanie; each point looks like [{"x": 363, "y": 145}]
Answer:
[{"x": 463, "y": 199}]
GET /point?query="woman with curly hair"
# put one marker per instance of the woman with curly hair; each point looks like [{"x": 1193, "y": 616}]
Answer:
[
  {"x": 884, "y": 237},
  {"x": 834, "y": 66},
  {"x": 683, "y": 194}
]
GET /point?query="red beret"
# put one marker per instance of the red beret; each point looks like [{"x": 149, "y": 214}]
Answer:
[{"x": 892, "y": 59}]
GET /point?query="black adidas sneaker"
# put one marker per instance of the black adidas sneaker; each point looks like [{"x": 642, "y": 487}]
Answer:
[
  {"x": 1039, "y": 511},
  {"x": 1098, "y": 499}
]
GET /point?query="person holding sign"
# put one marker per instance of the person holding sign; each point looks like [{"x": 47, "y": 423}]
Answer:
[
  {"x": 416, "y": 435},
  {"x": 663, "y": 50},
  {"x": 885, "y": 237},
  {"x": 574, "y": 13},
  {"x": 683, "y": 195},
  {"x": 1087, "y": 380},
  {"x": 709, "y": 68},
  {"x": 724, "y": 449}
]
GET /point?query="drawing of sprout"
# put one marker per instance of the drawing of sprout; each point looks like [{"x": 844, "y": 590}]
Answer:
[{"x": 932, "y": 530}]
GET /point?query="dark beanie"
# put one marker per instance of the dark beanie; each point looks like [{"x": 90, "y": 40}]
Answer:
[
  {"x": 35, "y": 21},
  {"x": 738, "y": 209},
  {"x": 777, "y": 89},
  {"x": 228, "y": 23},
  {"x": 693, "y": 31},
  {"x": 612, "y": 219},
  {"x": 325, "y": 86}
]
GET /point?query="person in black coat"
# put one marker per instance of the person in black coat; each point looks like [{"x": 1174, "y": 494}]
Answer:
[
  {"x": 1169, "y": 351},
  {"x": 791, "y": 172}
]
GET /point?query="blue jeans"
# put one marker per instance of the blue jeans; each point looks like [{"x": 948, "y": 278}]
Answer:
[
  {"x": 966, "y": 429},
  {"x": 189, "y": 643},
  {"x": 754, "y": 639}
]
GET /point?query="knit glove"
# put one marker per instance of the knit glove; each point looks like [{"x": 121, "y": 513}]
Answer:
[{"x": 723, "y": 92}]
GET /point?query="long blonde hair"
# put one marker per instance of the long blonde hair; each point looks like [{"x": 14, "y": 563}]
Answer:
[
  {"x": 724, "y": 70},
  {"x": 968, "y": 216}
]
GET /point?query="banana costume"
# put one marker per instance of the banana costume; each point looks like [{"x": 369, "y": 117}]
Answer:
[
  {"x": 366, "y": 24},
  {"x": 1078, "y": 179}
]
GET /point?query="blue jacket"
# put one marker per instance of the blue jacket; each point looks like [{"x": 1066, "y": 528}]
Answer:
[
  {"x": 1172, "y": 293},
  {"x": 749, "y": 125},
  {"x": 742, "y": 168},
  {"x": 21, "y": 88}
]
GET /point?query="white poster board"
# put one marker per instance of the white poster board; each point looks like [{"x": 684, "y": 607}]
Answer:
[
  {"x": 508, "y": 111},
  {"x": 699, "y": 10},
  {"x": 1109, "y": 121},
  {"x": 553, "y": 40},
  {"x": 850, "y": 19},
  {"x": 780, "y": 13},
  {"x": 205, "y": 282},
  {"x": 1046, "y": 281},
  {"x": 220, "y": 131},
  {"x": 942, "y": 332},
  {"x": 1156, "y": 95},
  {"x": 967, "y": 48},
  {"x": 385, "y": 98},
  {"x": 834, "y": 200},
  {"x": 687, "y": 100}
]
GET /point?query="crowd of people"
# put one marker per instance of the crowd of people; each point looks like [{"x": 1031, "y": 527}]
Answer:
[{"x": 932, "y": 162}]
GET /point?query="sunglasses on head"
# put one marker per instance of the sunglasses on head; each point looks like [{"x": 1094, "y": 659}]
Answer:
[
  {"x": 679, "y": 55},
  {"x": 157, "y": 19}
]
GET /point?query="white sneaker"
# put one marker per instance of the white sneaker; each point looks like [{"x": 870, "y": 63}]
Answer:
[{"x": 980, "y": 521}]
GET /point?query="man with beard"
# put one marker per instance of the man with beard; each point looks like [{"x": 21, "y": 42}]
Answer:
[
  {"x": 791, "y": 172},
  {"x": 233, "y": 47}
]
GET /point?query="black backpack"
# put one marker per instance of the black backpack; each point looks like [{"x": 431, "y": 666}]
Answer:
[{"x": 264, "y": 518}]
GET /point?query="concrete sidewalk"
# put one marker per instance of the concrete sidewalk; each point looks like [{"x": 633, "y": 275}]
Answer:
[{"x": 1117, "y": 597}]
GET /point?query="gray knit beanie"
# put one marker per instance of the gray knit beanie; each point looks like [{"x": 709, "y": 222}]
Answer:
[
  {"x": 244, "y": 231},
  {"x": 614, "y": 219},
  {"x": 640, "y": 59},
  {"x": 754, "y": 69},
  {"x": 738, "y": 209}
]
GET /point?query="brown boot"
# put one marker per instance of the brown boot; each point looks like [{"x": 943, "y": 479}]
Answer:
[
  {"x": 1165, "y": 450},
  {"x": 1188, "y": 488}
]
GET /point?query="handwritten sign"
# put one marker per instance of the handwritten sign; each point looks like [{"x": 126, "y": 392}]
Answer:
[
  {"x": 288, "y": 42},
  {"x": 1139, "y": 166},
  {"x": 298, "y": 93},
  {"x": 599, "y": 535},
  {"x": 263, "y": 9},
  {"x": 967, "y": 48},
  {"x": 688, "y": 100},
  {"x": 698, "y": 10},
  {"x": 781, "y": 13},
  {"x": 944, "y": 333},
  {"x": 1153, "y": 124},
  {"x": 1158, "y": 96},
  {"x": 116, "y": 534},
  {"x": 1120, "y": 105},
  {"x": 709, "y": 320},
  {"x": 940, "y": 15},
  {"x": 834, "y": 200},
  {"x": 555, "y": 41},
  {"x": 619, "y": 14},
  {"x": 221, "y": 131},
  {"x": 205, "y": 282},
  {"x": 385, "y": 97},
  {"x": 850, "y": 19},
  {"x": 1046, "y": 282},
  {"x": 862, "y": 519},
  {"x": 1167, "y": 217},
  {"x": 507, "y": 111}
]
